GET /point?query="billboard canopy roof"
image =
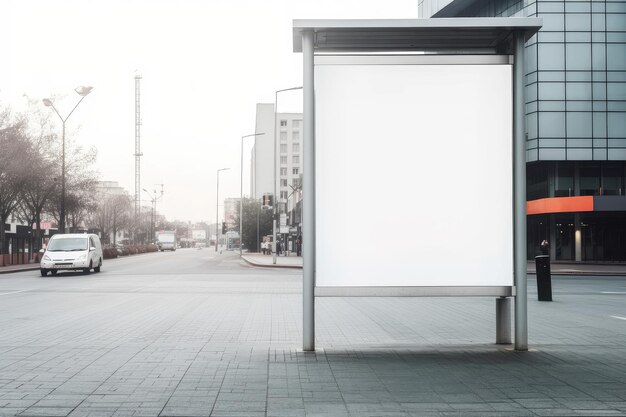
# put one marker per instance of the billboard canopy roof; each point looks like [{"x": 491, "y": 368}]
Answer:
[{"x": 467, "y": 35}]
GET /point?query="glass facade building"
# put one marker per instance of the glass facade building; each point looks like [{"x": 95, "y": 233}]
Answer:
[{"x": 575, "y": 121}]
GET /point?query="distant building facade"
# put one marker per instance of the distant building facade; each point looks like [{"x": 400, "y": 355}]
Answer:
[
  {"x": 106, "y": 190},
  {"x": 287, "y": 171},
  {"x": 288, "y": 168},
  {"x": 575, "y": 122}
]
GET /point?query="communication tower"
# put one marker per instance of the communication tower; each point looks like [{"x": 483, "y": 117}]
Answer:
[{"x": 138, "y": 153}]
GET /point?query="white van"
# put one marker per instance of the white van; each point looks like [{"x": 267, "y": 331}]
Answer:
[{"x": 72, "y": 251}]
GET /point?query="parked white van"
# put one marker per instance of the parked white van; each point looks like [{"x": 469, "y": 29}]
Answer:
[{"x": 72, "y": 251}]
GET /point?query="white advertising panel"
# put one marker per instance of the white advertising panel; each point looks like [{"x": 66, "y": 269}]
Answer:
[{"x": 413, "y": 175}]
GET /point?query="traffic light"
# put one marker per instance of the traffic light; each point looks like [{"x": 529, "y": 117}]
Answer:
[{"x": 223, "y": 228}]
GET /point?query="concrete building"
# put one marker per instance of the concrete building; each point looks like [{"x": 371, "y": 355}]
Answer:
[
  {"x": 288, "y": 155},
  {"x": 576, "y": 121}
]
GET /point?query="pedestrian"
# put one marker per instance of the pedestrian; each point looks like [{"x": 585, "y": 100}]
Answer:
[
  {"x": 299, "y": 245},
  {"x": 279, "y": 248},
  {"x": 544, "y": 247}
]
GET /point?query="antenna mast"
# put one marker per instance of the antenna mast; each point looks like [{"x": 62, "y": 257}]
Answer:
[{"x": 138, "y": 153}]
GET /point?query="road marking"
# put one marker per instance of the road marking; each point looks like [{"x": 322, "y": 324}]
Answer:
[
  {"x": 613, "y": 292},
  {"x": 12, "y": 292},
  {"x": 618, "y": 317}
]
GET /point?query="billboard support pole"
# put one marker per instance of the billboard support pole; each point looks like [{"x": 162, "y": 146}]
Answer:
[
  {"x": 519, "y": 186},
  {"x": 308, "y": 191},
  {"x": 503, "y": 320}
]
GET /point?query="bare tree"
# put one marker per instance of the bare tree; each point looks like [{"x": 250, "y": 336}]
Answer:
[
  {"x": 80, "y": 185},
  {"x": 111, "y": 214},
  {"x": 121, "y": 212},
  {"x": 14, "y": 166},
  {"x": 42, "y": 182}
]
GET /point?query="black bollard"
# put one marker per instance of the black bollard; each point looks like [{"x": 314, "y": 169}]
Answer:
[{"x": 544, "y": 278}]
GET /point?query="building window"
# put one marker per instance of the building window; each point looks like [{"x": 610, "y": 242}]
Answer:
[
  {"x": 283, "y": 136},
  {"x": 283, "y": 148},
  {"x": 283, "y": 182},
  {"x": 283, "y": 195},
  {"x": 295, "y": 182},
  {"x": 295, "y": 124},
  {"x": 295, "y": 171},
  {"x": 296, "y": 159},
  {"x": 564, "y": 180},
  {"x": 295, "y": 147},
  {"x": 283, "y": 160},
  {"x": 589, "y": 180},
  {"x": 537, "y": 182},
  {"x": 295, "y": 136},
  {"x": 283, "y": 123},
  {"x": 283, "y": 171},
  {"x": 611, "y": 180}
]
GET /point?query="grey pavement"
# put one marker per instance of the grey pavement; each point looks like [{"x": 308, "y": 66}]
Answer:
[
  {"x": 293, "y": 261},
  {"x": 258, "y": 259},
  {"x": 557, "y": 268},
  {"x": 195, "y": 333}
]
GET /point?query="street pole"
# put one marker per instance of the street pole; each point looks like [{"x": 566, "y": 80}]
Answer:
[
  {"x": 519, "y": 196},
  {"x": 83, "y": 92},
  {"x": 62, "y": 215},
  {"x": 217, "y": 206},
  {"x": 276, "y": 211},
  {"x": 153, "y": 200},
  {"x": 241, "y": 191}
]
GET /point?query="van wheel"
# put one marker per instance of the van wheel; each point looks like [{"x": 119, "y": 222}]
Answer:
[
  {"x": 43, "y": 271},
  {"x": 97, "y": 269},
  {"x": 54, "y": 272},
  {"x": 87, "y": 270}
]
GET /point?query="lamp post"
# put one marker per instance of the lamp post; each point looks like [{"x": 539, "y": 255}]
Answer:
[
  {"x": 276, "y": 211},
  {"x": 217, "y": 206},
  {"x": 153, "y": 200},
  {"x": 241, "y": 190},
  {"x": 83, "y": 92}
]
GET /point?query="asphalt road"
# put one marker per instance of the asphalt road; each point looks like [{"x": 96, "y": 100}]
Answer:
[{"x": 198, "y": 333}]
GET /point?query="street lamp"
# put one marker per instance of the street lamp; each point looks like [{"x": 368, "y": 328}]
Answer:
[
  {"x": 241, "y": 191},
  {"x": 83, "y": 92},
  {"x": 276, "y": 169},
  {"x": 153, "y": 200},
  {"x": 217, "y": 206}
]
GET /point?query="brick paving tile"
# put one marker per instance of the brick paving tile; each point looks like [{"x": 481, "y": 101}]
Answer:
[{"x": 227, "y": 342}]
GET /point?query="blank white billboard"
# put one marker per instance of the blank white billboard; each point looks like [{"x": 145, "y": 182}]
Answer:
[{"x": 413, "y": 175}]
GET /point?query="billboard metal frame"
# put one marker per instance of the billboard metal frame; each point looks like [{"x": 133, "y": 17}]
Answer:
[{"x": 463, "y": 36}]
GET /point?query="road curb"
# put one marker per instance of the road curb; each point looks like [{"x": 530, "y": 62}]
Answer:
[
  {"x": 12, "y": 269},
  {"x": 8, "y": 270},
  {"x": 583, "y": 273},
  {"x": 270, "y": 266}
]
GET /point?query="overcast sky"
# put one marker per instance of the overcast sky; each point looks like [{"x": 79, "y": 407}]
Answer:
[{"x": 205, "y": 64}]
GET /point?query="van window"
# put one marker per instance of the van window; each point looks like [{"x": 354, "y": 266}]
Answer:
[
  {"x": 68, "y": 244},
  {"x": 92, "y": 242}
]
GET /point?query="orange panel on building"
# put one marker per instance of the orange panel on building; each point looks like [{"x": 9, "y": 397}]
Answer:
[{"x": 560, "y": 205}]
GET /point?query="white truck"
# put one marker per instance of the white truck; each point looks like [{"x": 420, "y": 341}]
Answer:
[{"x": 166, "y": 240}]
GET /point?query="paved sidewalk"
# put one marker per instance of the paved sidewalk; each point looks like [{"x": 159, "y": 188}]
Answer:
[
  {"x": 557, "y": 268},
  {"x": 258, "y": 259},
  {"x": 197, "y": 334},
  {"x": 571, "y": 268},
  {"x": 19, "y": 268}
]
